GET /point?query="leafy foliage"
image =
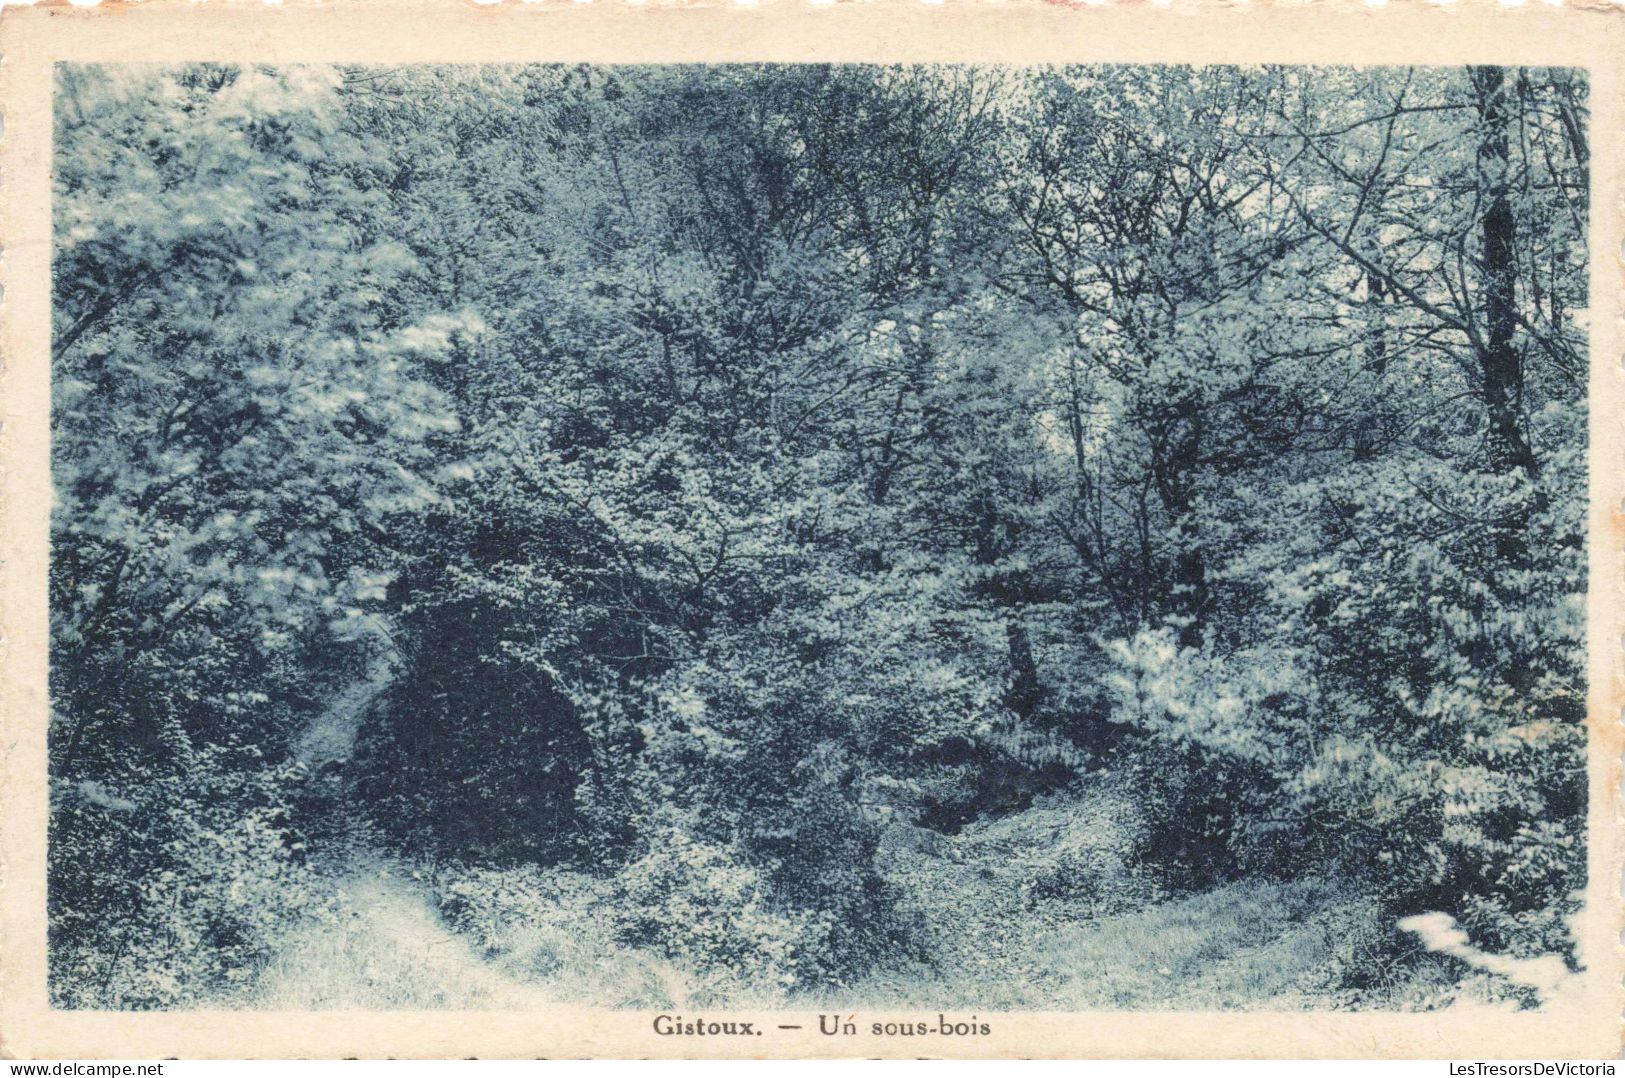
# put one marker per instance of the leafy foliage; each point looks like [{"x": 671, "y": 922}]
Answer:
[{"x": 716, "y": 476}]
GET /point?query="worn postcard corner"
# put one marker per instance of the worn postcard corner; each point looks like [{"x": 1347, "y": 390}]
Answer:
[{"x": 998, "y": 530}]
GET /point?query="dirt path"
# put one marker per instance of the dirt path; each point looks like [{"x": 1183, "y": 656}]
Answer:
[
  {"x": 377, "y": 941},
  {"x": 331, "y": 735}
]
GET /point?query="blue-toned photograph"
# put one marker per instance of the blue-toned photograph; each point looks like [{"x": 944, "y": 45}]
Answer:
[{"x": 950, "y": 538}]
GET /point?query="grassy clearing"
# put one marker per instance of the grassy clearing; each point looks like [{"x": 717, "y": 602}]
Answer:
[{"x": 1041, "y": 910}]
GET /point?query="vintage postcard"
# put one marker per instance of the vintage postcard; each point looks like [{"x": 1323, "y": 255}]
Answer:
[{"x": 986, "y": 529}]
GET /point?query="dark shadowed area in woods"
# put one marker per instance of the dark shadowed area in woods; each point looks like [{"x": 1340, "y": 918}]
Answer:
[{"x": 1100, "y": 537}]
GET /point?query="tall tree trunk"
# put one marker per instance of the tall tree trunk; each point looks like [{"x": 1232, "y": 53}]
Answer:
[
  {"x": 1370, "y": 423},
  {"x": 1500, "y": 364},
  {"x": 1175, "y": 471}
]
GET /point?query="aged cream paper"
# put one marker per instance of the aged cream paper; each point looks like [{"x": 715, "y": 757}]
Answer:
[{"x": 1583, "y": 1023}]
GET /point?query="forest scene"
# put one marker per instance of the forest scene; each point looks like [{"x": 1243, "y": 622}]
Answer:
[{"x": 972, "y": 537}]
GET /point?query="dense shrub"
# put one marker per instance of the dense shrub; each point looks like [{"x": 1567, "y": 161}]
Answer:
[
  {"x": 698, "y": 906},
  {"x": 170, "y": 891}
]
